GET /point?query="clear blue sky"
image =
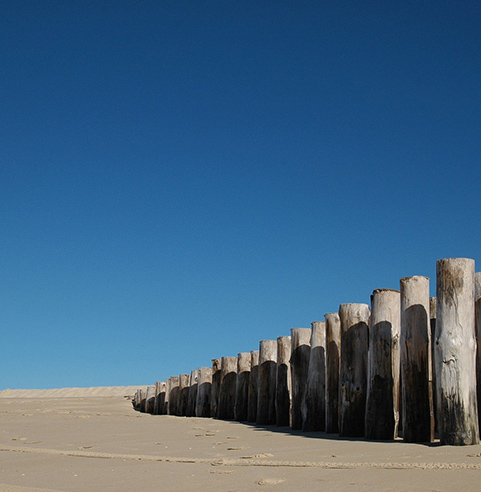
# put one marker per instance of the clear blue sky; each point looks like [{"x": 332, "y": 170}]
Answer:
[{"x": 179, "y": 180}]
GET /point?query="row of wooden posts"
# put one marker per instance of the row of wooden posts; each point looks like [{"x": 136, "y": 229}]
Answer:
[{"x": 403, "y": 366}]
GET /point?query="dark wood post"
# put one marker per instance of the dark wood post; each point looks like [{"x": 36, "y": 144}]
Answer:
[
  {"x": 253, "y": 387},
  {"x": 283, "y": 382},
  {"x": 314, "y": 404},
  {"x": 192, "y": 395},
  {"x": 353, "y": 372},
  {"x": 416, "y": 364},
  {"x": 266, "y": 393},
  {"x": 333, "y": 356},
  {"x": 203, "y": 404},
  {"x": 300, "y": 350},
  {"x": 242, "y": 385},
  {"x": 228, "y": 380},
  {"x": 215, "y": 390}
]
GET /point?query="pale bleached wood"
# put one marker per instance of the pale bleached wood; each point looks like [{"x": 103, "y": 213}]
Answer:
[
  {"x": 477, "y": 298},
  {"x": 192, "y": 395},
  {"x": 456, "y": 352},
  {"x": 432, "y": 324},
  {"x": 174, "y": 396}
]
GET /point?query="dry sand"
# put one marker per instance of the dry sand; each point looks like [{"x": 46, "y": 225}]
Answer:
[{"x": 93, "y": 443}]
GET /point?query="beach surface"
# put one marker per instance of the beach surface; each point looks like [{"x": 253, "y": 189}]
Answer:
[{"x": 91, "y": 439}]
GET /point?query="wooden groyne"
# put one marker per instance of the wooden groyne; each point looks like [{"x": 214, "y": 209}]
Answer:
[{"x": 406, "y": 365}]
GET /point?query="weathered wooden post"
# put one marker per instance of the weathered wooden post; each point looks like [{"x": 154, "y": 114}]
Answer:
[
  {"x": 314, "y": 403},
  {"x": 456, "y": 352},
  {"x": 416, "y": 364},
  {"x": 150, "y": 399},
  {"x": 204, "y": 389},
  {"x": 300, "y": 349},
  {"x": 192, "y": 397},
  {"x": 143, "y": 394},
  {"x": 159, "y": 398},
  {"x": 253, "y": 387},
  {"x": 184, "y": 383},
  {"x": 174, "y": 396},
  {"x": 215, "y": 390},
  {"x": 432, "y": 322},
  {"x": 228, "y": 381},
  {"x": 333, "y": 356},
  {"x": 477, "y": 308},
  {"x": 266, "y": 393},
  {"x": 166, "y": 409},
  {"x": 242, "y": 385},
  {"x": 283, "y": 382},
  {"x": 382, "y": 403},
  {"x": 353, "y": 371}
]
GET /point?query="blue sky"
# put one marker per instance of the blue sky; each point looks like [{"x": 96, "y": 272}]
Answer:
[{"x": 181, "y": 179}]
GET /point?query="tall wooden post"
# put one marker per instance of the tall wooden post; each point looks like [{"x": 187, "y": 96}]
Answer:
[
  {"x": 166, "y": 409},
  {"x": 300, "y": 350},
  {"x": 184, "y": 382},
  {"x": 477, "y": 297},
  {"x": 143, "y": 394},
  {"x": 159, "y": 398},
  {"x": 192, "y": 395},
  {"x": 215, "y": 390},
  {"x": 432, "y": 322},
  {"x": 456, "y": 352},
  {"x": 382, "y": 404},
  {"x": 314, "y": 404},
  {"x": 283, "y": 382},
  {"x": 204, "y": 388},
  {"x": 242, "y": 385},
  {"x": 333, "y": 356},
  {"x": 266, "y": 393},
  {"x": 228, "y": 380},
  {"x": 416, "y": 364},
  {"x": 353, "y": 372},
  {"x": 253, "y": 387},
  {"x": 174, "y": 396}
]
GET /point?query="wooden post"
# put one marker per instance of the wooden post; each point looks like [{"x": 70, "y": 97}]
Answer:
[
  {"x": 333, "y": 356},
  {"x": 432, "y": 322},
  {"x": 203, "y": 404},
  {"x": 416, "y": 364},
  {"x": 228, "y": 381},
  {"x": 215, "y": 390},
  {"x": 143, "y": 394},
  {"x": 477, "y": 298},
  {"x": 174, "y": 395},
  {"x": 283, "y": 382},
  {"x": 353, "y": 371},
  {"x": 166, "y": 410},
  {"x": 150, "y": 399},
  {"x": 382, "y": 403},
  {"x": 192, "y": 395},
  {"x": 266, "y": 393},
  {"x": 253, "y": 387},
  {"x": 300, "y": 349},
  {"x": 242, "y": 385},
  {"x": 314, "y": 403},
  {"x": 456, "y": 352},
  {"x": 159, "y": 398},
  {"x": 184, "y": 383}
]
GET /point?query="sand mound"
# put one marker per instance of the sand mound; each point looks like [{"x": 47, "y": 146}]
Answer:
[{"x": 100, "y": 391}]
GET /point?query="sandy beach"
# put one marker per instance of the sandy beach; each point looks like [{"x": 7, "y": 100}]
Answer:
[{"x": 93, "y": 442}]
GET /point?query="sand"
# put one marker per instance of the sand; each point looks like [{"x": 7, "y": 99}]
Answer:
[{"x": 92, "y": 443}]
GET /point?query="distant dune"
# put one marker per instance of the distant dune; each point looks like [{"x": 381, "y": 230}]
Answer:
[{"x": 100, "y": 391}]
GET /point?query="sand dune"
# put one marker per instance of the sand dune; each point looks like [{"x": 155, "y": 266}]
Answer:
[{"x": 99, "y": 391}]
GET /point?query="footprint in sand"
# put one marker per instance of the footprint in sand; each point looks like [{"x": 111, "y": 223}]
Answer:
[{"x": 270, "y": 481}]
